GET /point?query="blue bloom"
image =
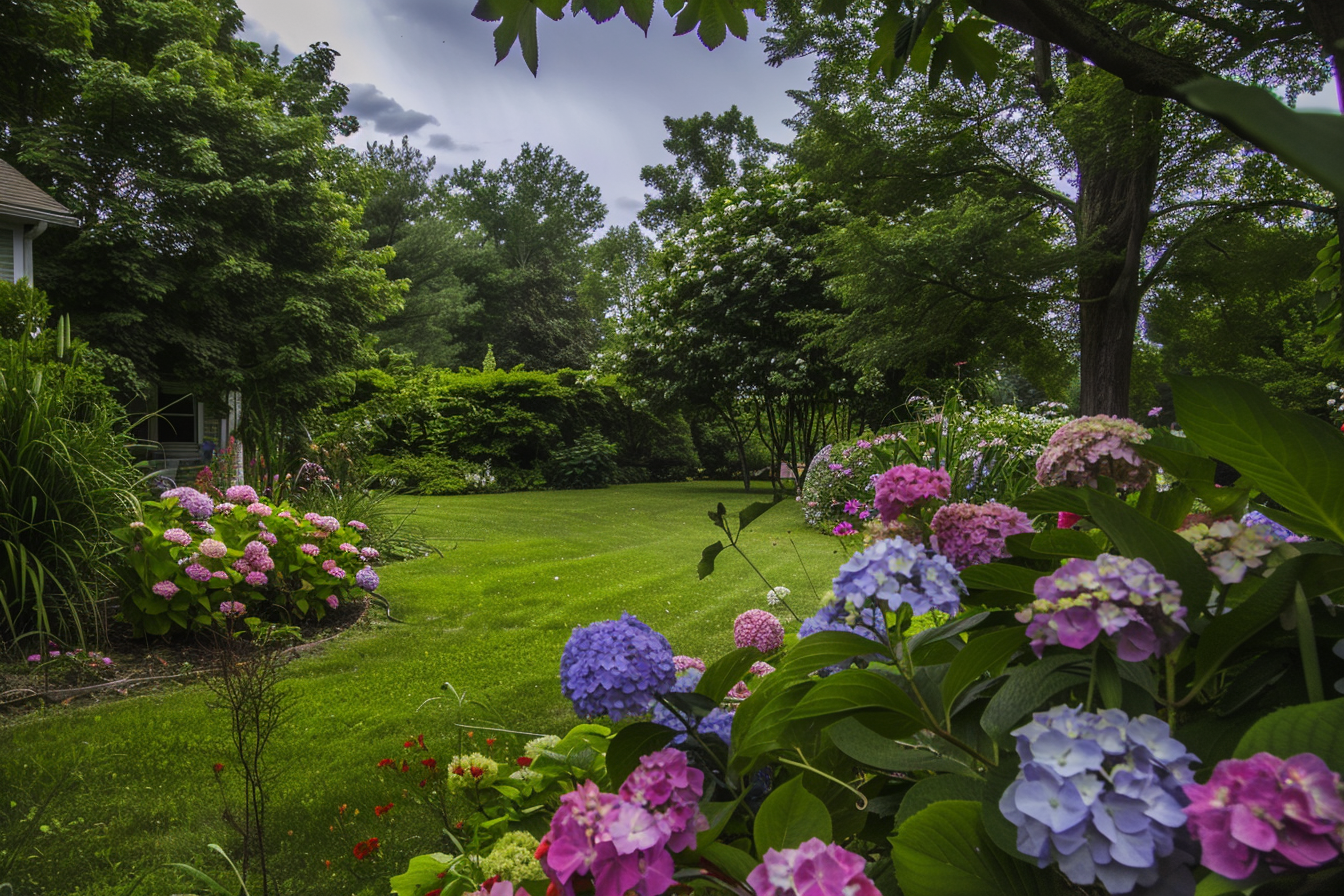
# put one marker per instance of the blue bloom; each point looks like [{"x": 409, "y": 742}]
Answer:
[
  {"x": 836, "y": 617},
  {"x": 1100, "y": 795},
  {"x": 367, "y": 579},
  {"x": 1256, "y": 518},
  {"x": 718, "y": 721},
  {"x": 893, "y": 571},
  {"x": 616, "y": 668}
]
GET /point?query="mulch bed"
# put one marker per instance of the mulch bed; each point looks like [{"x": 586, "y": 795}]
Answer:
[{"x": 141, "y": 664}]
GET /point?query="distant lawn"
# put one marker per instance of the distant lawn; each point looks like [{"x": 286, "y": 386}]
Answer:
[{"x": 491, "y": 616}]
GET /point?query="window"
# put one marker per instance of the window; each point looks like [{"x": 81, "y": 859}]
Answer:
[
  {"x": 177, "y": 417},
  {"x": 6, "y": 255}
]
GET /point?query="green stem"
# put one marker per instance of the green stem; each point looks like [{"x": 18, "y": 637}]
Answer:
[
  {"x": 1306, "y": 642},
  {"x": 1092, "y": 678},
  {"x": 694, "y": 731},
  {"x": 733, "y": 542},
  {"x": 1171, "y": 690}
]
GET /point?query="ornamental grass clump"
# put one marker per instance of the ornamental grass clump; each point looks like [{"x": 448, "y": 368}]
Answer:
[
  {"x": 1084, "y": 450},
  {"x": 1125, "y": 599},
  {"x": 971, "y": 534},
  {"x": 1099, "y": 795},
  {"x": 616, "y": 668},
  {"x": 1286, "y": 812}
]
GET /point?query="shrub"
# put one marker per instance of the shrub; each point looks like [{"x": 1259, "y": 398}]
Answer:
[{"x": 589, "y": 463}]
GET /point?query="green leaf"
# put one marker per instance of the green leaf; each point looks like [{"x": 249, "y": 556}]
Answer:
[
  {"x": 1169, "y": 508},
  {"x": 1295, "y": 459},
  {"x": 1027, "y": 688},
  {"x": 1229, "y": 631},
  {"x": 1052, "y": 499},
  {"x": 958, "y": 626},
  {"x": 420, "y": 874},
  {"x": 1055, "y": 543},
  {"x": 987, "y": 653},
  {"x": 826, "y": 649},
  {"x": 854, "y": 690},
  {"x": 1180, "y": 457},
  {"x": 1308, "y": 140},
  {"x": 1109, "y": 687},
  {"x": 718, "y": 815},
  {"x": 725, "y": 672},
  {"x": 747, "y": 515},
  {"x": 789, "y": 816},
  {"x": 937, "y": 789},
  {"x": 729, "y": 859},
  {"x": 1137, "y": 536},
  {"x": 943, "y": 849},
  {"x": 1310, "y": 728},
  {"x": 631, "y": 744},
  {"x": 862, "y": 744},
  {"x": 713, "y": 28},
  {"x": 706, "y": 565},
  {"x": 1001, "y": 577}
]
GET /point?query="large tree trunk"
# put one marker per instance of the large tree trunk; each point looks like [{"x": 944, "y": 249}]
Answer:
[{"x": 1116, "y": 137}]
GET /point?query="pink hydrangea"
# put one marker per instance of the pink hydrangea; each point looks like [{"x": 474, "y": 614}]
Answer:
[
  {"x": 311, "y": 550},
  {"x": 357, "y": 526},
  {"x": 739, "y": 691},
  {"x": 255, "y": 579},
  {"x": 1285, "y": 811},
  {"x": 682, "y": 663},
  {"x": 269, "y": 538},
  {"x": 328, "y": 564},
  {"x": 761, "y": 669},
  {"x": 177, "y": 536},
  {"x": 258, "y": 556},
  {"x": 333, "y": 601},
  {"x": 970, "y": 534},
  {"x": 759, "y": 629},
  {"x": 616, "y": 842},
  {"x": 336, "y": 572},
  {"x": 1083, "y": 450},
  {"x": 367, "y": 554},
  {"x": 813, "y": 869},
  {"x": 233, "y": 608},
  {"x": 907, "y": 486},
  {"x": 240, "y": 494},
  {"x": 213, "y": 549},
  {"x": 224, "y": 507},
  {"x": 259, "y": 509},
  {"x": 198, "y": 572},
  {"x": 165, "y": 589},
  {"x": 348, "y": 548},
  {"x": 219, "y": 574},
  {"x": 285, "y": 515}
]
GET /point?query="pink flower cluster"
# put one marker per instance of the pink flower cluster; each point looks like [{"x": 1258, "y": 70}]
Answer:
[
  {"x": 1083, "y": 450},
  {"x": 177, "y": 536},
  {"x": 759, "y": 629},
  {"x": 907, "y": 486},
  {"x": 813, "y": 869},
  {"x": 970, "y": 534},
  {"x": 325, "y": 524},
  {"x": 213, "y": 549},
  {"x": 624, "y": 841},
  {"x": 682, "y": 663},
  {"x": 232, "y": 608},
  {"x": 165, "y": 589},
  {"x": 256, "y": 508},
  {"x": 1286, "y": 811},
  {"x": 310, "y": 549},
  {"x": 240, "y": 494}
]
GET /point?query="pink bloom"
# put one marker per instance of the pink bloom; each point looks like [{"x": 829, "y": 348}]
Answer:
[
  {"x": 259, "y": 509},
  {"x": 219, "y": 574},
  {"x": 970, "y": 534},
  {"x": 905, "y": 487},
  {"x": 842, "y": 529},
  {"x": 813, "y": 869},
  {"x": 255, "y": 579},
  {"x": 285, "y": 515},
  {"x": 198, "y": 572},
  {"x": 224, "y": 507},
  {"x": 213, "y": 549},
  {"x": 311, "y": 550},
  {"x": 336, "y": 572},
  {"x": 739, "y": 691},
  {"x": 35, "y": 658},
  {"x": 333, "y": 601},
  {"x": 328, "y": 564},
  {"x": 165, "y": 589},
  {"x": 349, "y": 548},
  {"x": 367, "y": 554},
  {"x": 240, "y": 494},
  {"x": 357, "y": 526},
  {"x": 682, "y": 663},
  {"x": 1067, "y": 520},
  {"x": 177, "y": 536},
  {"x": 232, "y": 608},
  {"x": 761, "y": 669},
  {"x": 269, "y": 538},
  {"x": 759, "y": 629},
  {"x": 1084, "y": 450},
  {"x": 136, "y": 524}
]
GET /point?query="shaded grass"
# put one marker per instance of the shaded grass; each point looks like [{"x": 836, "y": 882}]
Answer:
[{"x": 491, "y": 616}]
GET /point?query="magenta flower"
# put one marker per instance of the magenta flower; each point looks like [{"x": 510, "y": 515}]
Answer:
[
  {"x": 198, "y": 572},
  {"x": 240, "y": 494},
  {"x": 1125, "y": 599},
  {"x": 852, "y": 506},
  {"x": 1287, "y": 812},
  {"x": 348, "y": 548},
  {"x": 842, "y": 529},
  {"x": 336, "y": 572},
  {"x": 1066, "y": 520},
  {"x": 759, "y": 629},
  {"x": 177, "y": 536},
  {"x": 618, "y": 842},
  {"x": 35, "y": 658},
  {"x": 665, "y": 785},
  {"x": 165, "y": 589},
  {"x": 357, "y": 526},
  {"x": 813, "y": 869},
  {"x": 681, "y": 663},
  {"x": 761, "y": 669},
  {"x": 255, "y": 578},
  {"x": 970, "y": 534},
  {"x": 1085, "y": 449},
  {"x": 333, "y": 601},
  {"x": 259, "y": 509},
  {"x": 739, "y": 691},
  {"x": 311, "y": 550},
  {"x": 906, "y": 487}
]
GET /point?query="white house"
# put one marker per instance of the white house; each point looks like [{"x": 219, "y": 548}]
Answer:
[{"x": 26, "y": 211}]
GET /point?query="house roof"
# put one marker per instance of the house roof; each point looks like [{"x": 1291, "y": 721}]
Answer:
[{"x": 21, "y": 198}]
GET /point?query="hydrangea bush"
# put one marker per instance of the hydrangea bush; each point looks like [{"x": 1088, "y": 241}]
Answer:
[{"x": 188, "y": 557}]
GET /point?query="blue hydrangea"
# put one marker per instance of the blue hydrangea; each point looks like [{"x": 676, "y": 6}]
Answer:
[
  {"x": 718, "y": 721},
  {"x": 1256, "y": 518},
  {"x": 367, "y": 579},
  {"x": 836, "y": 617},
  {"x": 1100, "y": 795},
  {"x": 893, "y": 571},
  {"x": 616, "y": 668}
]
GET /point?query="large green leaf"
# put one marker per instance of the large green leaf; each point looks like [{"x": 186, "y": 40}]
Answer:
[
  {"x": 1028, "y": 688},
  {"x": 943, "y": 850},
  {"x": 1308, "y": 140},
  {"x": 861, "y": 743},
  {"x": 947, "y": 630},
  {"x": 1229, "y": 631},
  {"x": 1310, "y": 728},
  {"x": 731, "y": 860},
  {"x": 706, "y": 565},
  {"x": 725, "y": 672},
  {"x": 1057, "y": 543},
  {"x": 1295, "y": 459},
  {"x": 854, "y": 690},
  {"x": 987, "y": 653},
  {"x": 1181, "y": 457},
  {"x": 1137, "y": 536},
  {"x": 936, "y": 789},
  {"x": 826, "y": 649},
  {"x": 789, "y": 816},
  {"x": 632, "y": 743},
  {"x": 1001, "y": 577},
  {"x": 1052, "y": 499}
]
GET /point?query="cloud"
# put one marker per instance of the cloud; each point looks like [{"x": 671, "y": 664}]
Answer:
[
  {"x": 625, "y": 203},
  {"x": 446, "y": 142},
  {"x": 266, "y": 38},
  {"x": 369, "y": 104}
]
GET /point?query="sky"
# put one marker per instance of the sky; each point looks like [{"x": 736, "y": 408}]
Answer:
[{"x": 426, "y": 68}]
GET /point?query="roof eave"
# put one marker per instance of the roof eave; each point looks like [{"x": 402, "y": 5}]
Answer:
[{"x": 36, "y": 216}]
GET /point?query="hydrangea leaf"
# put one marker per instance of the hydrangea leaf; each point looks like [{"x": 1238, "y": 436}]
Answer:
[
  {"x": 1135, "y": 535},
  {"x": 1230, "y": 630},
  {"x": 951, "y": 629},
  {"x": 932, "y": 790},
  {"x": 632, "y": 742},
  {"x": 789, "y": 816},
  {"x": 1028, "y": 688},
  {"x": 735, "y": 862},
  {"x": 1052, "y": 499},
  {"x": 863, "y": 744},
  {"x": 944, "y": 848},
  {"x": 725, "y": 672},
  {"x": 1001, "y": 577},
  {"x": 1310, "y": 728},
  {"x": 706, "y": 565},
  {"x": 825, "y": 649},
  {"x": 987, "y": 653},
  {"x": 854, "y": 690}
]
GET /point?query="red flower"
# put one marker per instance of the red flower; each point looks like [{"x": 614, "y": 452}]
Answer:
[
  {"x": 524, "y": 761},
  {"x": 409, "y": 744},
  {"x": 405, "y": 766},
  {"x": 477, "y": 771},
  {"x": 219, "y": 767},
  {"x": 489, "y": 741},
  {"x": 543, "y": 847},
  {"x": 365, "y": 848},
  {"x": 420, "y": 739},
  {"x": 430, "y": 763},
  {"x": 435, "y": 892},
  {"x": 423, "y": 783},
  {"x": 380, "y": 811},
  {"x": 459, "y": 770},
  {"x": 384, "y": 763}
]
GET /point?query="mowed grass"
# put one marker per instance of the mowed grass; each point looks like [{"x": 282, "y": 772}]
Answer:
[{"x": 133, "y": 780}]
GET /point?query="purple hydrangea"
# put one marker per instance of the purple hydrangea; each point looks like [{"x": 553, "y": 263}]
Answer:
[
  {"x": 165, "y": 589},
  {"x": 666, "y": 786},
  {"x": 198, "y": 572},
  {"x": 232, "y": 608},
  {"x": 368, "y": 554},
  {"x": 310, "y": 549},
  {"x": 269, "y": 538},
  {"x": 970, "y": 534},
  {"x": 815, "y": 868},
  {"x": 835, "y": 617},
  {"x": 255, "y": 578},
  {"x": 682, "y": 663},
  {"x": 335, "y": 572},
  {"x": 892, "y": 572},
  {"x": 618, "y": 842},
  {"x": 1100, "y": 795},
  {"x": 348, "y": 548},
  {"x": 907, "y": 486},
  {"x": 1231, "y": 548},
  {"x": 367, "y": 579},
  {"x": 256, "y": 508},
  {"x": 224, "y": 507},
  {"x": 1083, "y": 450},
  {"x": 240, "y": 494},
  {"x": 759, "y": 629},
  {"x": 1285, "y": 811},
  {"x": 718, "y": 722},
  {"x": 1125, "y": 599},
  {"x": 333, "y": 601},
  {"x": 616, "y": 667},
  {"x": 204, "y": 527},
  {"x": 1256, "y": 518},
  {"x": 198, "y": 505}
]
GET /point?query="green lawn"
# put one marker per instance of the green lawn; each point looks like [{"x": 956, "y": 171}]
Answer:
[{"x": 491, "y": 616}]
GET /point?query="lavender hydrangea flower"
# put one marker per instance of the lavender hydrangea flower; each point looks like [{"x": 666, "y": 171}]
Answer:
[
  {"x": 1100, "y": 795},
  {"x": 681, "y": 663},
  {"x": 240, "y": 494},
  {"x": 333, "y": 601},
  {"x": 1287, "y": 812},
  {"x": 367, "y": 579},
  {"x": 165, "y": 589},
  {"x": 815, "y": 868},
  {"x": 198, "y": 505},
  {"x": 1230, "y": 548},
  {"x": 255, "y": 578},
  {"x": 836, "y": 617},
  {"x": 1125, "y": 599},
  {"x": 1085, "y": 449},
  {"x": 969, "y": 534},
  {"x": 198, "y": 572},
  {"x": 258, "y": 556},
  {"x": 1256, "y": 518},
  {"x": 232, "y": 608},
  {"x": 893, "y": 571},
  {"x": 311, "y": 550},
  {"x": 718, "y": 722},
  {"x": 615, "y": 668}
]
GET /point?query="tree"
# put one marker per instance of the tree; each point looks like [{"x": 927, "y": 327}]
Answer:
[
  {"x": 616, "y": 269},
  {"x": 213, "y": 248},
  {"x": 709, "y": 152}
]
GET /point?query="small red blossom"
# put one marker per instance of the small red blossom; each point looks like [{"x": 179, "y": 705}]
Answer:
[
  {"x": 423, "y": 783},
  {"x": 384, "y": 763},
  {"x": 219, "y": 767},
  {"x": 409, "y": 744},
  {"x": 341, "y": 810},
  {"x": 471, "y": 734},
  {"x": 477, "y": 771},
  {"x": 542, "y": 848},
  {"x": 435, "y": 892},
  {"x": 420, "y": 739},
  {"x": 524, "y": 761},
  {"x": 489, "y": 741},
  {"x": 328, "y": 861},
  {"x": 365, "y": 848},
  {"x": 380, "y": 811},
  {"x": 405, "y": 766},
  {"x": 459, "y": 770},
  {"x": 460, "y": 825},
  {"x": 431, "y": 763}
]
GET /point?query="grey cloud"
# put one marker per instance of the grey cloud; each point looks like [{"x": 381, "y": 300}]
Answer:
[
  {"x": 369, "y": 104},
  {"x": 446, "y": 142},
  {"x": 266, "y": 38},
  {"x": 625, "y": 203}
]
